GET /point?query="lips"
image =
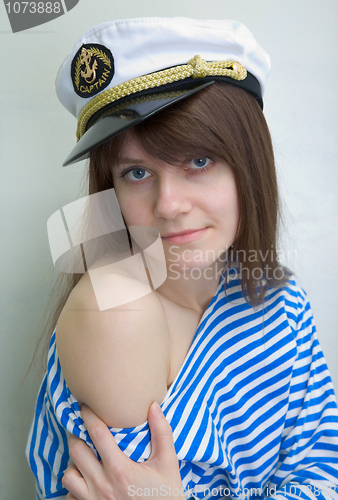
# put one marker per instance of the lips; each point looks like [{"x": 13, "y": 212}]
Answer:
[
  {"x": 184, "y": 236},
  {"x": 187, "y": 231}
]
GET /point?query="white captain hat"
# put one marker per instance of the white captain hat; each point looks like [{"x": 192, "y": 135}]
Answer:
[{"x": 121, "y": 72}]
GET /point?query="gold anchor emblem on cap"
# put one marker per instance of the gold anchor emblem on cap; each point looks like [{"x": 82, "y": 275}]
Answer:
[{"x": 90, "y": 72}]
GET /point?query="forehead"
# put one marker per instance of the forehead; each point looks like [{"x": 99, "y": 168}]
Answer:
[
  {"x": 131, "y": 147},
  {"x": 132, "y": 152}
]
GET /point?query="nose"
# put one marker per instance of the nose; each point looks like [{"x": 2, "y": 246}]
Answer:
[{"x": 171, "y": 199}]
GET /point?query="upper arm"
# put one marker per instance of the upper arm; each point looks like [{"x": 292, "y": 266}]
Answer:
[
  {"x": 116, "y": 361},
  {"x": 309, "y": 447}
]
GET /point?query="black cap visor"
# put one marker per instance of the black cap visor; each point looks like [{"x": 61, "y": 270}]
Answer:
[
  {"x": 127, "y": 116},
  {"x": 131, "y": 110}
]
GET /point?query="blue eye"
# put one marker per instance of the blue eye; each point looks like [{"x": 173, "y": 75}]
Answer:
[
  {"x": 137, "y": 174},
  {"x": 199, "y": 162}
]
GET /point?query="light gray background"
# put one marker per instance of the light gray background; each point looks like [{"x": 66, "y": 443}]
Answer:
[{"x": 37, "y": 134}]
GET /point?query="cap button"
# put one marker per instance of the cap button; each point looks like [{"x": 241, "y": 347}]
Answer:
[{"x": 237, "y": 68}]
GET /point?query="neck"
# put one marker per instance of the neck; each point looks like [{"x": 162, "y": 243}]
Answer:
[{"x": 192, "y": 289}]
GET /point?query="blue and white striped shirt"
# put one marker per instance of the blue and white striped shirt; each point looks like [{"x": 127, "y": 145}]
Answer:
[{"x": 252, "y": 408}]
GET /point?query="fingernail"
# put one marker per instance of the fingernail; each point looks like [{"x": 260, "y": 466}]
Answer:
[{"x": 157, "y": 409}]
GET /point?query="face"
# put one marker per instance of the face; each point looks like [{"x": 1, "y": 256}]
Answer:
[{"x": 193, "y": 206}]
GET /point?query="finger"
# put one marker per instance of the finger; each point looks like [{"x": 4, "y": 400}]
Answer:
[
  {"x": 84, "y": 458},
  {"x": 76, "y": 485},
  {"x": 162, "y": 442},
  {"x": 70, "y": 496},
  {"x": 102, "y": 438},
  {"x": 72, "y": 439}
]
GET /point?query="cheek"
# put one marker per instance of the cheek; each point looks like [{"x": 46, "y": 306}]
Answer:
[
  {"x": 124, "y": 204},
  {"x": 224, "y": 204},
  {"x": 133, "y": 211}
]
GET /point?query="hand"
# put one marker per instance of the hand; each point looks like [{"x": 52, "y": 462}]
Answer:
[{"x": 117, "y": 477}]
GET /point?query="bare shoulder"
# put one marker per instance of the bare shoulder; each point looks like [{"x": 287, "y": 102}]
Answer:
[{"x": 116, "y": 361}]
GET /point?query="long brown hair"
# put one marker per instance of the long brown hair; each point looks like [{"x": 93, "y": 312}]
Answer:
[{"x": 224, "y": 122}]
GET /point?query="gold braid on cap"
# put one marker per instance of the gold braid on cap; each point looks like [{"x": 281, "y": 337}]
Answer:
[{"x": 196, "y": 68}]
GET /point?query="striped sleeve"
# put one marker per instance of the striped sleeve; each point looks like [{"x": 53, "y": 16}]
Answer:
[
  {"x": 308, "y": 458},
  {"x": 47, "y": 449}
]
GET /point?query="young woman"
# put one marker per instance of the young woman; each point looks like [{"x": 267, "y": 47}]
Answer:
[{"x": 226, "y": 344}]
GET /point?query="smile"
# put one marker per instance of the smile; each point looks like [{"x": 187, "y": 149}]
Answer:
[{"x": 184, "y": 236}]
